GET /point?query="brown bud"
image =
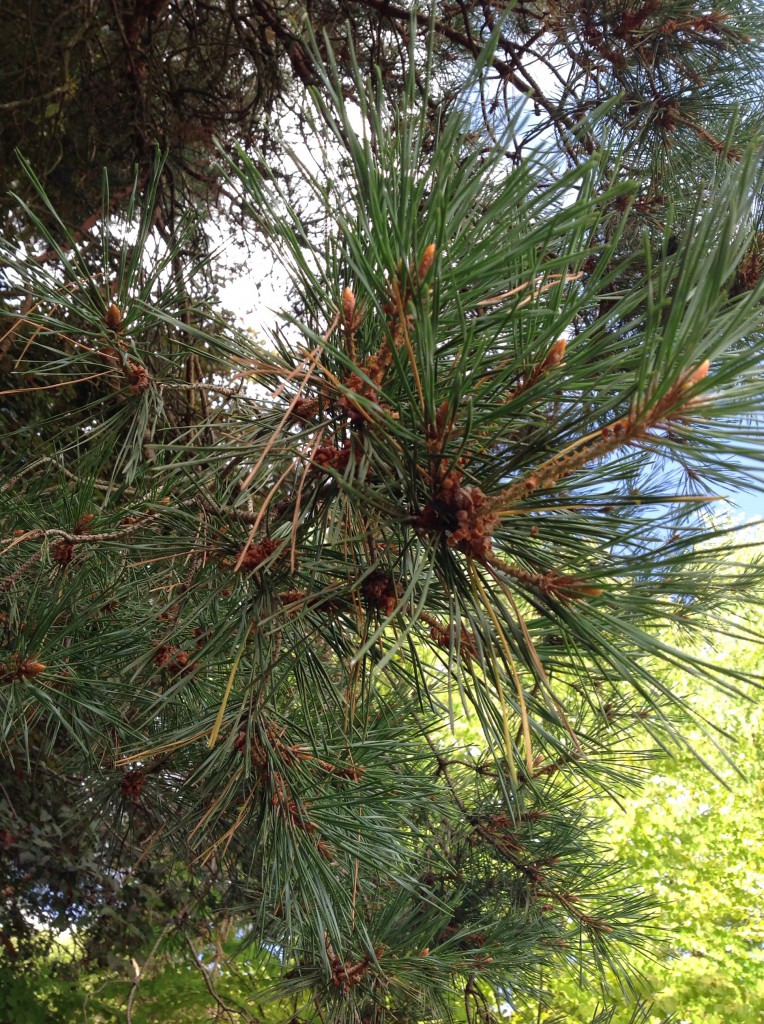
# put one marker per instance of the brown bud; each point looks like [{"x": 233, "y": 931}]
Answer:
[
  {"x": 441, "y": 418},
  {"x": 31, "y": 668},
  {"x": 83, "y": 523},
  {"x": 113, "y": 317},
  {"x": 571, "y": 588},
  {"x": 697, "y": 375},
  {"x": 428, "y": 258},
  {"x": 348, "y": 306},
  {"x": 555, "y": 354}
]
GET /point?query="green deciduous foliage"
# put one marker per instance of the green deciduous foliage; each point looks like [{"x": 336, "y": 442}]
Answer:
[
  {"x": 251, "y": 588},
  {"x": 693, "y": 840}
]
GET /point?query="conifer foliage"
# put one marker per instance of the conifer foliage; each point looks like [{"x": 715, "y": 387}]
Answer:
[{"x": 344, "y": 624}]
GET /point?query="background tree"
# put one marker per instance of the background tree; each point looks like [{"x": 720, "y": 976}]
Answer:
[
  {"x": 692, "y": 840},
  {"x": 466, "y": 476},
  {"x": 100, "y": 84}
]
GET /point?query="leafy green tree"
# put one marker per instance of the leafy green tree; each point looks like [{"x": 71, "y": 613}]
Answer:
[
  {"x": 466, "y": 476},
  {"x": 692, "y": 839}
]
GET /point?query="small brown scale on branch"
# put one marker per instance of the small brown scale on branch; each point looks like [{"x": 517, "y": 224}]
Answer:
[
  {"x": 551, "y": 584},
  {"x": 443, "y": 637},
  {"x": 374, "y": 368},
  {"x": 706, "y": 24},
  {"x": 368, "y": 382},
  {"x": 346, "y": 975},
  {"x": 171, "y": 658},
  {"x": 474, "y": 519},
  {"x": 296, "y": 813},
  {"x": 595, "y": 924},
  {"x": 282, "y": 800},
  {"x": 306, "y": 409},
  {"x": 632, "y": 21},
  {"x": 331, "y": 457},
  {"x": 465, "y": 514},
  {"x": 542, "y": 767},
  {"x": 288, "y": 753},
  {"x": 381, "y": 591},
  {"x": 260, "y": 756},
  {"x": 499, "y": 830},
  {"x": 137, "y": 377},
  {"x": 475, "y": 940},
  {"x": 132, "y": 785},
  {"x": 63, "y": 552},
  {"x": 256, "y": 554},
  {"x": 240, "y": 741}
]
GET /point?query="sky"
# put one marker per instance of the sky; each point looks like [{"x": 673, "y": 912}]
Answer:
[{"x": 748, "y": 505}]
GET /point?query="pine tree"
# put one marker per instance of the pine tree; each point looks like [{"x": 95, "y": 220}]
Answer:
[
  {"x": 668, "y": 87},
  {"x": 86, "y": 85},
  {"x": 338, "y": 630}
]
